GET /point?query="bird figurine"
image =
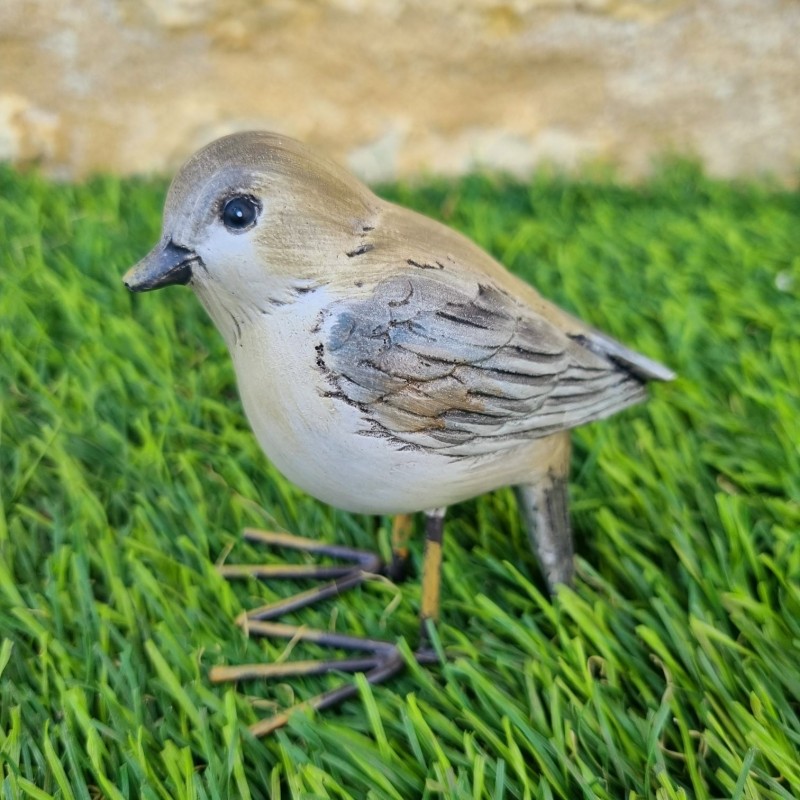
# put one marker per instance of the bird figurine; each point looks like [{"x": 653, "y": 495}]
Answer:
[{"x": 387, "y": 365}]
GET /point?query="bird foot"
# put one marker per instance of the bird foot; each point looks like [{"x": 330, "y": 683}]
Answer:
[
  {"x": 364, "y": 564},
  {"x": 381, "y": 660}
]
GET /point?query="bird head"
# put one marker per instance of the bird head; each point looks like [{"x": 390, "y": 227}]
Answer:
[{"x": 252, "y": 215}]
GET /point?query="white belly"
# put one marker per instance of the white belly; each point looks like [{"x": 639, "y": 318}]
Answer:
[{"x": 322, "y": 443}]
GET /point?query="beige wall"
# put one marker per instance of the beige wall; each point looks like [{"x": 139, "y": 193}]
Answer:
[{"x": 395, "y": 87}]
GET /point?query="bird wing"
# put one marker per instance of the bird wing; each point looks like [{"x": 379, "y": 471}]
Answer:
[{"x": 465, "y": 369}]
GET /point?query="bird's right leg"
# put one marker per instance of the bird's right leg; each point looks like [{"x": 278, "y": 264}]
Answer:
[
  {"x": 402, "y": 530},
  {"x": 362, "y": 565}
]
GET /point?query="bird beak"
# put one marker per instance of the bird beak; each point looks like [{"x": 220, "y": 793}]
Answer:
[{"x": 165, "y": 265}]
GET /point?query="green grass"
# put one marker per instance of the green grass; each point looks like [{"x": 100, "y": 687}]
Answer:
[{"x": 671, "y": 671}]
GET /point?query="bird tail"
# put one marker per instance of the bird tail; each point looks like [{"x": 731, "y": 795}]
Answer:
[{"x": 642, "y": 367}]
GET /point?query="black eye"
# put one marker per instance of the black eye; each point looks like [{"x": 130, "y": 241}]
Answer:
[{"x": 240, "y": 213}]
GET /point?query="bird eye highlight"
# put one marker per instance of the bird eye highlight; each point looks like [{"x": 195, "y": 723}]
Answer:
[{"x": 240, "y": 213}]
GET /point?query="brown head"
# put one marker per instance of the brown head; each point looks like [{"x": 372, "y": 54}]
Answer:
[{"x": 253, "y": 213}]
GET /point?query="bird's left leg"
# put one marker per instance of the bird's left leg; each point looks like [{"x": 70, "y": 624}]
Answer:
[
  {"x": 382, "y": 660},
  {"x": 431, "y": 573}
]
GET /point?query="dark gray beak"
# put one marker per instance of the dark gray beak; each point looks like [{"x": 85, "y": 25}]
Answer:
[{"x": 165, "y": 265}]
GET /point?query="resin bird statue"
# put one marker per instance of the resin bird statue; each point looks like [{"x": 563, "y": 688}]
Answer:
[{"x": 386, "y": 364}]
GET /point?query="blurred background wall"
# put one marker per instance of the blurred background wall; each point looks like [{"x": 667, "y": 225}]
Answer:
[{"x": 398, "y": 87}]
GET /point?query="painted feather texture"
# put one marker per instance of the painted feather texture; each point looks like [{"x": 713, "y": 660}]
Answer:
[{"x": 467, "y": 370}]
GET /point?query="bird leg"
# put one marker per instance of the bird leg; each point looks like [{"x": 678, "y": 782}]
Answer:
[
  {"x": 402, "y": 529},
  {"x": 431, "y": 573},
  {"x": 381, "y": 660}
]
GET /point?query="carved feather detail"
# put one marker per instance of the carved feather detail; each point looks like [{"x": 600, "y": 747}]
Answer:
[{"x": 467, "y": 370}]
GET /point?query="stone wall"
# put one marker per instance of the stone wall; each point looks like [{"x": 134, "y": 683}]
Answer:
[{"x": 395, "y": 87}]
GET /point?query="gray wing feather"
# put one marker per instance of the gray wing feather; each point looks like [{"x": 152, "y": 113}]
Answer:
[{"x": 469, "y": 370}]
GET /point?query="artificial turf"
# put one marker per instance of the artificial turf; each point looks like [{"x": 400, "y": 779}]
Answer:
[{"x": 671, "y": 670}]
